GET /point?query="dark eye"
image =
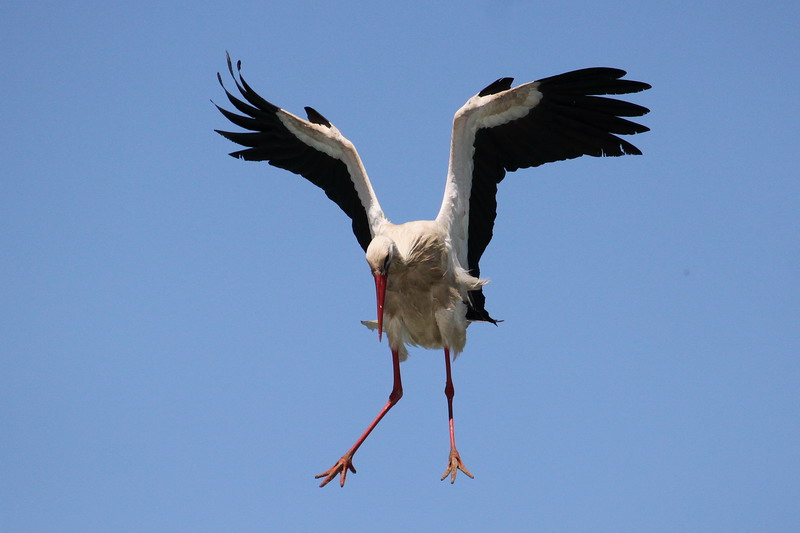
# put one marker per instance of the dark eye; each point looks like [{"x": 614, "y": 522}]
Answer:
[{"x": 386, "y": 263}]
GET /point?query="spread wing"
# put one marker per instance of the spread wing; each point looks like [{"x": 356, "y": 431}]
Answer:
[
  {"x": 312, "y": 148},
  {"x": 502, "y": 129}
]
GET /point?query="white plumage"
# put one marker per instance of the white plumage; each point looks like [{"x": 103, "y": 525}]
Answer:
[
  {"x": 427, "y": 274},
  {"x": 427, "y": 288}
]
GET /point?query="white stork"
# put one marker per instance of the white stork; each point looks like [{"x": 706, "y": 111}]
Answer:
[{"x": 426, "y": 272}]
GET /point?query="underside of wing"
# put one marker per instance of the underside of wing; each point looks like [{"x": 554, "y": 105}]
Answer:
[
  {"x": 502, "y": 129},
  {"x": 312, "y": 148}
]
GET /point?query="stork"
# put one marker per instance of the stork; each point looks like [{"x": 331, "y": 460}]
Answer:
[{"x": 427, "y": 278}]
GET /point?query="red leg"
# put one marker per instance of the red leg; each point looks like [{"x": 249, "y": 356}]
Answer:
[
  {"x": 346, "y": 462},
  {"x": 454, "y": 464}
]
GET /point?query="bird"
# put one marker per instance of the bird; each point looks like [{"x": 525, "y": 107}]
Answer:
[{"x": 426, "y": 273}]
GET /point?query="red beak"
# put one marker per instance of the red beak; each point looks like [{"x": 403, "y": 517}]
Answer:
[{"x": 380, "y": 293}]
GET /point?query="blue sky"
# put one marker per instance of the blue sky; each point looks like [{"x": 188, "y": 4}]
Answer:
[{"x": 181, "y": 347}]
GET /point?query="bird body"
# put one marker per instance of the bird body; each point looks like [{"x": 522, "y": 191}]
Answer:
[
  {"x": 427, "y": 273},
  {"x": 426, "y": 287}
]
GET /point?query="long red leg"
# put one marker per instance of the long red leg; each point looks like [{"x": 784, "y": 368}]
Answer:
[
  {"x": 454, "y": 463},
  {"x": 346, "y": 462}
]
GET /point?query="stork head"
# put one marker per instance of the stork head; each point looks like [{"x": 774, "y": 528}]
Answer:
[{"x": 380, "y": 253}]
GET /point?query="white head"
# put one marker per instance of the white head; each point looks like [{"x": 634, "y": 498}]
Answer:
[{"x": 380, "y": 252}]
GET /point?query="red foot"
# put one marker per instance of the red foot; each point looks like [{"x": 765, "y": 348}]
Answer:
[
  {"x": 341, "y": 467},
  {"x": 454, "y": 465}
]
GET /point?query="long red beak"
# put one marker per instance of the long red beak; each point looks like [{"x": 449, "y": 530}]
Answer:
[{"x": 380, "y": 293}]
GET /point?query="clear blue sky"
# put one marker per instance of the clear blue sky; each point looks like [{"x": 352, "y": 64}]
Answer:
[{"x": 181, "y": 347}]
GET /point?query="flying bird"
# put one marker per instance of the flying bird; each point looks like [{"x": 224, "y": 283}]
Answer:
[{"x": 427, "y": 274}]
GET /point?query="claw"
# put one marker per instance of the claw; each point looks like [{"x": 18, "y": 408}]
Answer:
[
  {"x": 454, "y": 465},
  {"x": 341, "y": 467}
]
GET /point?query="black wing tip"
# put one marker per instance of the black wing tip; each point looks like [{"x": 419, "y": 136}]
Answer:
[
  {"x": 632, "y": 86},
  {"x": 593, "y": 81},
  {"x": 255, "y": 102},
  {"x": 230, "y": 62},
  {"x": 476, "y": 310},
  {"x": 230, "y": 135},
  {"x": 316, "y": 117},
  {"x": 481, "y": 315},
  {"x": 499, "y": 85}
]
